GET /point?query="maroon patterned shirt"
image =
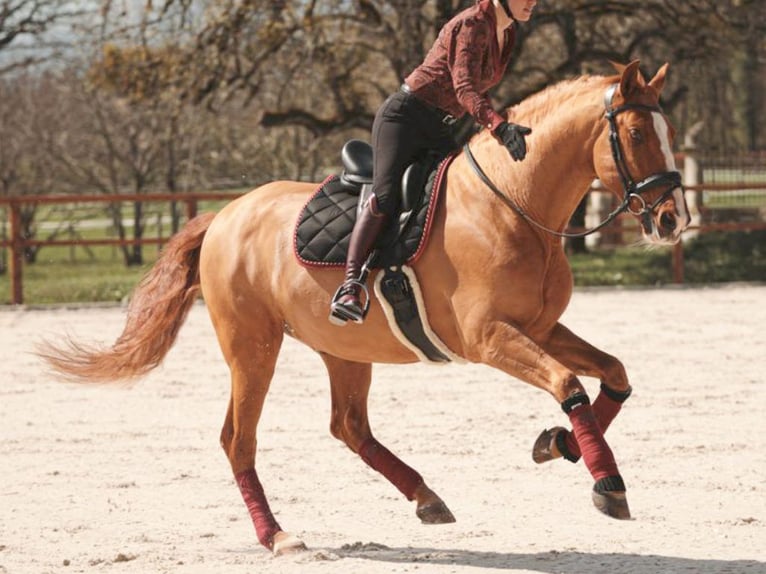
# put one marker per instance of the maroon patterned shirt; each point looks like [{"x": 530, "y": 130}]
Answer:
[{"x": 463, "y": 64}]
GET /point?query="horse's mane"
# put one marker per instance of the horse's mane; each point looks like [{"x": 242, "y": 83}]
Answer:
[{"x": 552, "y": 99}]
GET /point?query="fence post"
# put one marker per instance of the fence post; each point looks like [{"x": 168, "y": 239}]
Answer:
[
  {"x": 678, "y": 263},
  {"x": 191, "y": 208},
  {"x": 599, "y": 206},
  {"x": 692, "y": 177},
  {"x": 17, "y": 254}
]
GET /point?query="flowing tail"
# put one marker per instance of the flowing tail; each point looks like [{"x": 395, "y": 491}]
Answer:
[{"x": 157, "y": 310}]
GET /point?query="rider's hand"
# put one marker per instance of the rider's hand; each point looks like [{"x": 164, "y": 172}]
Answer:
[{"x": 512, "y": 136}]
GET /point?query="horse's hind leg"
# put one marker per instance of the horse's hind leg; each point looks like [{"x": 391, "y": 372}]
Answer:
[
  {"x": 252, "y": 360},
  {"x": 350, "y": 385},
  {"x": 585, "y": 360}
]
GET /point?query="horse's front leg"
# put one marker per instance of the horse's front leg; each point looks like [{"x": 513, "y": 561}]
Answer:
[
  {"x": 350, "y": 385},
  {"x": 585, "y": 360},
  {"x": 505, "y": 347}
]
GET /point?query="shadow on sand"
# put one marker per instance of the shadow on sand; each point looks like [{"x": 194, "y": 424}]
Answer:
[{"x": 554, "y": 562}]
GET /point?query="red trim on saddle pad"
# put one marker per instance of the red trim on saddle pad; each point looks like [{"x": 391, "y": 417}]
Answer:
[
  {"x": 435, "y": 195},
  {"x": 438, "y": 184},
  {"x": 300, "y": 259}
]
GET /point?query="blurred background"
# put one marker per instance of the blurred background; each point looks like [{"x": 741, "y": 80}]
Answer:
[{"x": 180, "y": 97}]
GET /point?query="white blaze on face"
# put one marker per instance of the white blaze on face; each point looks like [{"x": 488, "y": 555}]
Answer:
[{"x": 661, "y": 129}]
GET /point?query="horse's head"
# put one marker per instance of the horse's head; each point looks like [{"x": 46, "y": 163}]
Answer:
[{"x": 633, "y": 154}]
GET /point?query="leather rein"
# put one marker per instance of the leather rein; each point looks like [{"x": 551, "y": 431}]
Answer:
[{"x": 631, "y": 189}]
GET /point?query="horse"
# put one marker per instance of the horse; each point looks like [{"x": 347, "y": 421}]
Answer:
[{"x": 494, "y": 276}]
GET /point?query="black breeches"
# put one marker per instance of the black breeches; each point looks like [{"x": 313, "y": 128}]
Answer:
[{"x": 404, "y": 129}]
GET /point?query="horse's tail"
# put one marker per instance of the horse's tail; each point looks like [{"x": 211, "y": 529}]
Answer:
[{"x": 158, "y": 308}]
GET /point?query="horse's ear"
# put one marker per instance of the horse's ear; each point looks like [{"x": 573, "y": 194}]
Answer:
[
  {"x": 658, "y": 81},
  {"x": 617, "y": 66},
  {"x": 631, "y": 79}
]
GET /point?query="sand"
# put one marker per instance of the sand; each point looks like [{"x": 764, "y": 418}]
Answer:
[{"x": 113, "y": 479}]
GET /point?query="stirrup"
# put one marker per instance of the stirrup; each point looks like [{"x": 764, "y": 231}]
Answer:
[{"x": 340, "y": 314}]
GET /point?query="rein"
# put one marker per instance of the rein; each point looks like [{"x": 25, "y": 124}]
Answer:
[{"x": 631, "y": 189}]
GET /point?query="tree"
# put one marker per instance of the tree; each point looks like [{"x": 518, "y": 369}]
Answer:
[
  {"x": 25, "y": 169},
  {"x": 326, "y": 65},
  {"x": 27, "y": 29}
]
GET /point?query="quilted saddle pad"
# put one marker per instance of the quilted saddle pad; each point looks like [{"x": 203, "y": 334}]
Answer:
[{"x": 324, "y": 226}]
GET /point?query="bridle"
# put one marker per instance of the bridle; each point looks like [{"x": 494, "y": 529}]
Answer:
[{"x": 632, "y": 191}]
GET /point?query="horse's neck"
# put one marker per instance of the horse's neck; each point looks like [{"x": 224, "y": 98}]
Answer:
[{"x": 555, "y": 176}]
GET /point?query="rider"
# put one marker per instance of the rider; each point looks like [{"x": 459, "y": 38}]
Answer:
[{"x": 468, "y": 58}]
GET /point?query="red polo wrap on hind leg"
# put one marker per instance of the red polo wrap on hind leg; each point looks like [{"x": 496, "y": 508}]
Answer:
[
  {"x": 605, "y": 410},
  {"x": 266, "y": 527},
  {"x": 403, "y": 477},
  {"x": 595, "y": 451}
]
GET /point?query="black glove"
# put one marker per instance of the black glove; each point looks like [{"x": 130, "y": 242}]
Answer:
[{"x": 512, "y": 136}]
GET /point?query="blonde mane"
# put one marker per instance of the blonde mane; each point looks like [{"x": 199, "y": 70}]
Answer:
[{"x": 550, "y": 101}]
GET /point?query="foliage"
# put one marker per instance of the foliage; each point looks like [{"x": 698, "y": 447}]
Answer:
[
  {"x": 328, "y": 50},
  {"x": 137, "y": 73},
  {"x": 622, "y": 266},
  {"x": 733, "y": 256},
  {"x": 24, "y": 27},
  {"x": 709, "y": 258}
]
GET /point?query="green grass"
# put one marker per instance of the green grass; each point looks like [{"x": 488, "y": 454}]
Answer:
[
  {"x": 711, "y": 258},
  {"x": 78, "y": 282},
  {"x": 56, "y": 278},
  {"x": 622, "y": 266},
  {"x": 74, "y": 275}
]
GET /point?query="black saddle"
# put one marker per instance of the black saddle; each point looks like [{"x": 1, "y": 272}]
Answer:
[
  {"x": 325, "y": 223},
  {"x": 356, "y": 156},
  {"x": 324, "y": 228}
]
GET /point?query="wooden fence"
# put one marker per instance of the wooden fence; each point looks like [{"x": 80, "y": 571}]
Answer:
[{"x": 16, "y": 243}]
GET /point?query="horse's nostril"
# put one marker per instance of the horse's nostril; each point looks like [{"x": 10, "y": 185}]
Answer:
[{"x": 668, "y": 221}]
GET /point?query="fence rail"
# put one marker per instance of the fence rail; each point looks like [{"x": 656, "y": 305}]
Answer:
[{"x": 17, "y": 243}]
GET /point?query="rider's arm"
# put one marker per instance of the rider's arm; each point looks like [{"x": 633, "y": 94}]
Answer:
[{"x": 467, "y": 52}]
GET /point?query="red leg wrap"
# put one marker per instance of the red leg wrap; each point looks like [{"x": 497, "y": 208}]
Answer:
[
  {"x": 605, "y": 409},
  {"x": 595, "y": 451},
  {"x": 252, "y": 492},
  {"x": 386, "y": 463}
]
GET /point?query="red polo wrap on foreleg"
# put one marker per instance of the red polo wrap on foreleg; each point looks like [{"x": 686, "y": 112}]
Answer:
[
  {"x": 605, "y": 410},
  {"x": 386, "y": 463},
  {"x": 596, "y": 453},
  {"x": 266, "y": 526}
]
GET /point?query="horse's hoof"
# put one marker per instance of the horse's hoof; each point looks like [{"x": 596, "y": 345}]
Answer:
[
  {"x": 545, "y": 446},
  {"x": 435, "y": 513},
  {"x": 286, "y": 543},
  {"x": 614, "y": 504}
]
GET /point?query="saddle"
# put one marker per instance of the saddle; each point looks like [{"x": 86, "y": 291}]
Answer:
[{"x": 324, "y": 227}]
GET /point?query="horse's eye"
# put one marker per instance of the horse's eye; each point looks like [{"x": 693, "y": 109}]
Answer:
[{"x": 635, "y": 135}]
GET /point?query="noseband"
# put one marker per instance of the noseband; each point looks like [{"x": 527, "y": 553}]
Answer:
[{"x": 631, "y": 190}]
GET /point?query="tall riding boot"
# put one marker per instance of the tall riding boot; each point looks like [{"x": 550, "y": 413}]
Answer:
[{"x": 346, "y": 305}]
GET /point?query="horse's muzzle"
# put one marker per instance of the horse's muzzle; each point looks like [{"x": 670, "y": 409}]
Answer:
[{"x": 668, "y": 220}]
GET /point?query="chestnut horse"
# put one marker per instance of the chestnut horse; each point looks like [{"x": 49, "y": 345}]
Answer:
[{"x": 494, "y": 279}]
